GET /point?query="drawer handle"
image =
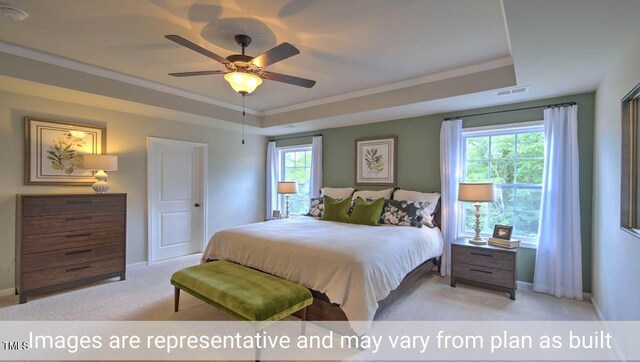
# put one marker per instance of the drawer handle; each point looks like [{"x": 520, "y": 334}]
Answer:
[
  {"x": 78, "y": 235},
  {"x": 78, "y": 268},
  {"x": 79, "y": 218},
  {"x": 480, "y": 254},
  {"x": 79, "y": 252},
  {"x": 481, "y": 271},
  {"x": 80, "y": 202}
]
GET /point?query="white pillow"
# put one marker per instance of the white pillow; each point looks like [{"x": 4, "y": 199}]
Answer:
[
  {"x": 337, "y": 192},
  {"x": 370, "y": 194},
  {"x": 431, "y": 197}
]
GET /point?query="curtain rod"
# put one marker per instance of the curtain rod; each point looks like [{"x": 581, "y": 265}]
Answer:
[
  {"x": 513, "y": 110},
  {"x": 292, "y": 138}
]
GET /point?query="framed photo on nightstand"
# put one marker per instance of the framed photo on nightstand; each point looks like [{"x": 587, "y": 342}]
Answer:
[{"x": 502, "y": 232}]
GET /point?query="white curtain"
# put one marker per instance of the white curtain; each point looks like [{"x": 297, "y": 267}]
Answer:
[
  {"x": 450, "y": 176},
  {"x": 316, "y": 167},
  {"x": 272, "y": 179},
  {"x": 558, "y": 269}
]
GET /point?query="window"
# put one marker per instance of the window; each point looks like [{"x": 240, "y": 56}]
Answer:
[
  {"x": 512, "y": 158},
  {"x": 295, "y": 165}
]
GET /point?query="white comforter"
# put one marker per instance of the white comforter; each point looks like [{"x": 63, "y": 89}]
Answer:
[{"x": 354, "y": 265}]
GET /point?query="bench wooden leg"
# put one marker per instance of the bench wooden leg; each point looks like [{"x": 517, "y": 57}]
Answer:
[
  {"x": 177, "y": 299},
  {"x": 304, "y": 321},
  {"x": 257, "y": 354}
]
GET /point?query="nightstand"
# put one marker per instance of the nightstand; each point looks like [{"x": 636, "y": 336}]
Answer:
[{"x": 483, "y": 266}]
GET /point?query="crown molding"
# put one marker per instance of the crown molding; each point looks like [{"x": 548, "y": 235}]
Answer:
[
  {"x": 479, "y": 67},
  {"x": 37, "y": 55}
]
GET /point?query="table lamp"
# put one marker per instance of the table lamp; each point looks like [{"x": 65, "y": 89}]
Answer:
[
  {"x": 286, "y": 188},
  {"x": 100, "y": 164},
  {"x": 477, "y": 193}
]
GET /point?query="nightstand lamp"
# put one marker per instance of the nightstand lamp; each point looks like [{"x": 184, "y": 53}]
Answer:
[
  {"x": 100, "y": 164},
  {"x": 477, "y": 193},
  {"x": 287, "y": 188}
]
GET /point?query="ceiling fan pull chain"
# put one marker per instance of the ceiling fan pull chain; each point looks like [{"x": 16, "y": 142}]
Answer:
[{"x": 243, "y": 119}]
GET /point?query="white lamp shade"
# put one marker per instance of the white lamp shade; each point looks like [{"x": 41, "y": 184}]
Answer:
[
  {"x": 242, "y": 82},
  {"x": 100, "y": 162},
  {"x": 476, "y": 192},
  {"x": 287, "y": 187}
]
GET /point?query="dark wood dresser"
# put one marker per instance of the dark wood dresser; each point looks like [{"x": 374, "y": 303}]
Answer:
[
  {"x": 484, "y": 266},
  {"x": 68, "y": 240}
]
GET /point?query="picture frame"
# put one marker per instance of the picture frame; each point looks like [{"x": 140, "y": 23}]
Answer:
[
  {"x": 53, "y": 151},
  {"x": 376, "y": 160},
  {"x": 630, "y": 163},
  {"x": 502, "y": 232},
  {"x": 275, "y": 214}
]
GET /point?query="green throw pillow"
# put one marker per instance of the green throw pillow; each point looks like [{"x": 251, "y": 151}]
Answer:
[
  {"x": 336, "y": 210},
  {"x": 367, "y": 213}
]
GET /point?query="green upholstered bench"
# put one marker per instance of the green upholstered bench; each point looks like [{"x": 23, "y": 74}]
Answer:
[{"x": 241, "y": 292}]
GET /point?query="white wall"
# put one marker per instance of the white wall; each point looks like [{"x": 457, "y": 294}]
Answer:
[
  {"x": 236, "y": 172},
  {"x": 616, "y": 254}
]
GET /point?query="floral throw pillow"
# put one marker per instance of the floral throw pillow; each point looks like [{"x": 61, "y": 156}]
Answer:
[
  {"x": 316, "y": 207},
  {"x": 366, "y": 199},
  {"x": 403, "y": 213}
]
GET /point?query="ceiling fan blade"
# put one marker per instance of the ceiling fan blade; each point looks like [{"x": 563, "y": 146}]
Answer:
[
  {"x": 289, "y": 79},
  {"x": 195, "y": 47},
  {"x": 276, "y": 54},
  {"x": 202, "y": 72}
]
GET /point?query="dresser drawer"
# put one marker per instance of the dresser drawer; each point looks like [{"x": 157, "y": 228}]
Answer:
[
  {"x": 59, "y": 258},
  {"x": 47, "y": 242},
  {"x": 51, "y": 277},
  {"x": 483, "y": 257},
  {"x": 502, "y": 278},
  {"x": 63, "y": 205},
  {"x": 70, "y": 223}
]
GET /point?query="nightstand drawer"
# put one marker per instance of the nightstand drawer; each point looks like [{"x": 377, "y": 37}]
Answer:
[
  {"x": 502, "y": 278},
  {"x": 484, "y": 257}
]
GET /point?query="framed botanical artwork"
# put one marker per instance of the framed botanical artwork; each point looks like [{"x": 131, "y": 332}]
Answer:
[
  {"x": 376, "y": 161},
  {"x": 54, "y": 151},
  {"x": 502, "y": 232}
]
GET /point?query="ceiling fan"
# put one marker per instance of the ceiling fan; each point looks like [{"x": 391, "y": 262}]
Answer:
[{"x": 245, "y": 73}]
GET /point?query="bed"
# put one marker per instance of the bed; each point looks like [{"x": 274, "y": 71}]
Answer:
[{"x": 351, "y": 269}]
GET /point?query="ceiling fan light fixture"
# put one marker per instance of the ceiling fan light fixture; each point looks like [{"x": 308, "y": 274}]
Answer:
[{"x": 242, "y": 82}]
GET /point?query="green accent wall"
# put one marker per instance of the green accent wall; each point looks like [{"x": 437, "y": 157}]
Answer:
[{"x": 419, "y": 157}]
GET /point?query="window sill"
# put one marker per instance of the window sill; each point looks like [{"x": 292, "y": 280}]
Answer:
[{"x": 528, "y": 245}]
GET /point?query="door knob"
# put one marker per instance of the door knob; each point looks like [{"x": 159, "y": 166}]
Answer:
[{"x": 197, "y": 205}]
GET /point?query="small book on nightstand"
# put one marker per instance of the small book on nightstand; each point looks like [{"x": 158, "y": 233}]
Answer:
[{"x": 509, "y": 244}]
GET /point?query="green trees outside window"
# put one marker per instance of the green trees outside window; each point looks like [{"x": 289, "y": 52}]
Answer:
[
  {"x": 513, "y": 159},
  {"x": 295, "y": 165}
]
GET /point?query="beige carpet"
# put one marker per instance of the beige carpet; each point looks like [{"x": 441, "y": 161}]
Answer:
[{"x": 148, "y": 295}]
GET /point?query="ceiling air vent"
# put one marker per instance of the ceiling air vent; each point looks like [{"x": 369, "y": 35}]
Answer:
[{"x": 509, "y": 91}]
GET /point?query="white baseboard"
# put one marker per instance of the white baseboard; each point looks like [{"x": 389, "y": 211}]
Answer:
[
  {"x": 138, "y": 264},
  {"x": 6, "y": 292},
  {"x": 618, "y": 351},
  {"x": 529, "y": 287},
  {"x": 524, "y": 286},
  {"x": 597, "y": 309}
]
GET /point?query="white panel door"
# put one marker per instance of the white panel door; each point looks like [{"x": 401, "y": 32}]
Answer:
[{"x": 176, "y": 172}]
